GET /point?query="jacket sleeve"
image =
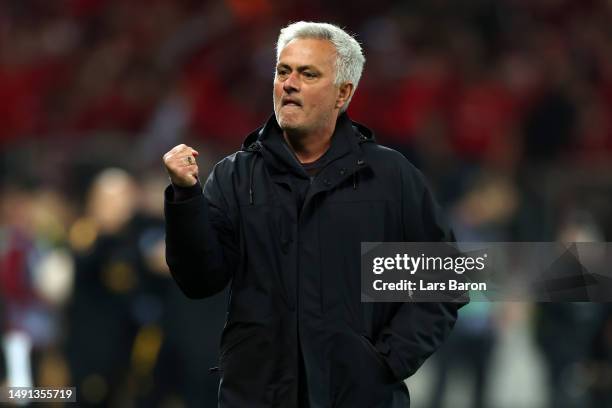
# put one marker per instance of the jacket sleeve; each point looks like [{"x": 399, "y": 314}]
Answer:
[
  {"x": 416, "y": 330},
  {"x": 201, "y": 242}
]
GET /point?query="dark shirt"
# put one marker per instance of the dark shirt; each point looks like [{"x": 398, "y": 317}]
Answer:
[{"x": 313, "y": 168}]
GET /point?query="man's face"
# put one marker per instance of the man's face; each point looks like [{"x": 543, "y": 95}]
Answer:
[{"x": 305, "y": 97}]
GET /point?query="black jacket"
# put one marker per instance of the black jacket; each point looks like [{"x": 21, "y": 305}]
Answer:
[{"x": 290, "y": 246}]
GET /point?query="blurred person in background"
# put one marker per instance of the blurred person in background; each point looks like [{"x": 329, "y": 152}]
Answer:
[
  {"x": 123, "y": 345},
  {"x": 283, "y": 220},
  {"x": 101, "y": 327},
  {"x": 468, "y": 350},
  {"x": 482, "y": 214},
  {"x": 36, "y": 272},
  {"x": 566, "y": 352}
]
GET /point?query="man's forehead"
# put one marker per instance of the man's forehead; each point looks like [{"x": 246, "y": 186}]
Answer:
[{"x": 307, "y": 51}]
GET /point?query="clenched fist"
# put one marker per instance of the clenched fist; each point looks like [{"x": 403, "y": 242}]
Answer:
[{"x": 181, "y": 165}]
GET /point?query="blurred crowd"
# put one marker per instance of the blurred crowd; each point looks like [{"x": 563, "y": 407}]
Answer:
[{"x": 505, "y": 105}]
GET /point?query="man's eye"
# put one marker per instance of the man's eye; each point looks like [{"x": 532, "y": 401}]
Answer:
[
  {"x": 310, "y": 75},
  {"x": 281, "y": 72}
]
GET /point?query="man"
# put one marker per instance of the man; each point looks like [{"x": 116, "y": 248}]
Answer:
[{"x": 283, "y": 219}]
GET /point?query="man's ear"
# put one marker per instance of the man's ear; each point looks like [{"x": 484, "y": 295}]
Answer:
[{"x": 345, "y": 91}]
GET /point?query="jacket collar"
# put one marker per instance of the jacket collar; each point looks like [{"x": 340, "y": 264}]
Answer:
[{"x": 269, "y": 141}]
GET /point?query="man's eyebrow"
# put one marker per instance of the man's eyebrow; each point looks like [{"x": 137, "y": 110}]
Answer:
[
  {"x": 305, "y": 67},
  {"x": 300, "y": 68}
]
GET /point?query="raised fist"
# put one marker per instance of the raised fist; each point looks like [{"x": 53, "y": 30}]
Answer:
[{"x": 181, "y": 165}]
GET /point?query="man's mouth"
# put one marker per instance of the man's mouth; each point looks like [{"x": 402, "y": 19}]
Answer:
[{"x": 290, "y": 102}]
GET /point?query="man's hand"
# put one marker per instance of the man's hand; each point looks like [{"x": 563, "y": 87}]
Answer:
[{"x": 181, "y": 165}]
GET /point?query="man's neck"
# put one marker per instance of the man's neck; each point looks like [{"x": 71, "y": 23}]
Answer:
[{"x": 309, "y": 147}]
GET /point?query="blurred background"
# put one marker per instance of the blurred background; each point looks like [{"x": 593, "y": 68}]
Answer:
[{"x": 505, "y": 105}]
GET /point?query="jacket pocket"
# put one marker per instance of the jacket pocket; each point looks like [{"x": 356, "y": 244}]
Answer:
[
  {"x": 386, "y": 373},
  {"x": 358, "y": 374}
]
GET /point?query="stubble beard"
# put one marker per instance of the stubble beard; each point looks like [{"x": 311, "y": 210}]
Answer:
[{"x": 288, "y": 125}]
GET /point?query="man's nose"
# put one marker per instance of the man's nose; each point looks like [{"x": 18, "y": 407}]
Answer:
[{"x": 292, "y": 83}]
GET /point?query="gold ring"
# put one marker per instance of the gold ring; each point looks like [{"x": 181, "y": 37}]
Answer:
[{"x": 189, "y": 160}]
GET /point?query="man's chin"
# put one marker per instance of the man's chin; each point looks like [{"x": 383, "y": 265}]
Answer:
[{"x": 289, "y": 125}]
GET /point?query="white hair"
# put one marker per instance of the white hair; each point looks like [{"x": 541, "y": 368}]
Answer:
[{"x": 349, "y": 59}]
